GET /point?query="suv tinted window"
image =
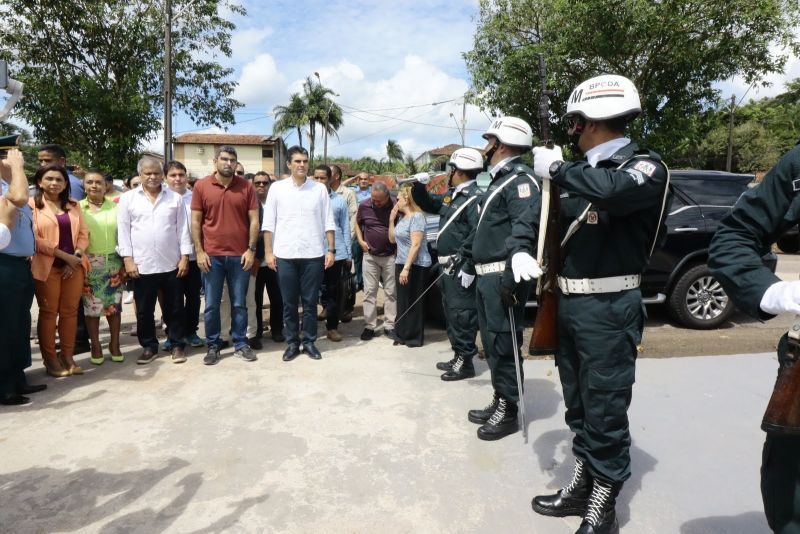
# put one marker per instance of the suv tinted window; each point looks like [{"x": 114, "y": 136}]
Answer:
[{"x": 723, "y": 192}]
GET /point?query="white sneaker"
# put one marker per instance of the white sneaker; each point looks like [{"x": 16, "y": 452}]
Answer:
[{"x": 128, "y": 298}]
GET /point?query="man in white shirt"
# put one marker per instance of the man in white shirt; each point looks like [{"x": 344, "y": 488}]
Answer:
[
  {"x": 296, "y": 217},
  {"x": 155, "y": 244}
]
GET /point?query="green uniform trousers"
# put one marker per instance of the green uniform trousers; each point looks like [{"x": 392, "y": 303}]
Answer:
[
  {"x": 496, "y": 333},
  {"x": 780, "y": 476},
  {"x": 461, "y": 315},
  {"x": 16, "y": 286},
  {"x": 598, "y": 335}
]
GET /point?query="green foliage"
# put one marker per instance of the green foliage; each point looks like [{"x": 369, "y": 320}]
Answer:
[
  {"x": 94, "y": 71},
  {"x": 394, "y": 151},
  {"x": 291, "y": 116},
  {"x": 673, "y": 50}
]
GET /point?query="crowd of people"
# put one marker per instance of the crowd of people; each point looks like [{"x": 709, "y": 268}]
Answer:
[{"x": 212, "y": 246}]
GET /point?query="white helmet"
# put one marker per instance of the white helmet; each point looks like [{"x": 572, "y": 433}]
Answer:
[
  {"x": 511, "y": 131},
  {"x": 466, "y": 159},
  {"x": 607, "y": 96}
]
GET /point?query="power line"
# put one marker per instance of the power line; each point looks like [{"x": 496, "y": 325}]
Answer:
[{"x": 408, "y": 120}]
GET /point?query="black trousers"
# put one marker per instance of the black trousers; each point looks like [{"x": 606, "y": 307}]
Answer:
[
  {"x": 190, "y": 291},
  {"x": 461, "y": 315},
  {"x": 333, "y": 285},
  {"x": 145, "y": 293},
  {"x": 410, "y": 328},
  {"x": 496, "y": 334},
  {"x": 17, "y": 288},
  {"x": 780, "y": 476},
  {"x": 267, "y": 278}
]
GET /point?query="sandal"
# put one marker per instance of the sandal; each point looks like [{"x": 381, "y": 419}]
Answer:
[
  {"x": 99, "y": 360},
  {"x": 116, "y": 357}
]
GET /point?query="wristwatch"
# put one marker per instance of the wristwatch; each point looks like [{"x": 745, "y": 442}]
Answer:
[
  {"x": 252, "y": 248},
  {"x": 332, "y": 250},
  {"x": 555, "y": 167}
]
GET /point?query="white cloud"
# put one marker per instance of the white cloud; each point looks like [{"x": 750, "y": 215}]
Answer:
[
  {"x": 244, "y": 42},
  {"x": 260, "y": 83}
]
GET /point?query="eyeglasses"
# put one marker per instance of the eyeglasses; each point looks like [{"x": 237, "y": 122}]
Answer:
[{"x": 260, "y": 183}]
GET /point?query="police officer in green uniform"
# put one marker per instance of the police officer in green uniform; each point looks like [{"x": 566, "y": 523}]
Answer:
[
  {"x": 744, "y": 236},
  {"x": 458, "y": 211},
  {"x": 499, "y": 249},
  {"x": 612, "y": 208}
]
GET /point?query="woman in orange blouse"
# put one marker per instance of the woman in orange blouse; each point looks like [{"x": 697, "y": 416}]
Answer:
[{"x": 58, "y": 267}]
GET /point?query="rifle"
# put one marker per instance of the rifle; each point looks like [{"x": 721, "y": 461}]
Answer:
[
  {"x": 782, "y": 416},
  {"x": 544, "y": 339}
]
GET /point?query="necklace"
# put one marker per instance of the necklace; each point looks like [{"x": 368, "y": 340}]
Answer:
[{"x": 98, "y": 204}]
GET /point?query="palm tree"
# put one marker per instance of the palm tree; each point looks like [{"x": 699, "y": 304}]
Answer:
[
  {"x": 320, "y": 110},
  {"x": 292, "y": 115},
  {"x": 411, "y": 164},
  {"x": 394, "y": 150}
]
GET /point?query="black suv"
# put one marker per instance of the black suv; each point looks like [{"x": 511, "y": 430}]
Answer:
[{"x": 677, "y": 275}]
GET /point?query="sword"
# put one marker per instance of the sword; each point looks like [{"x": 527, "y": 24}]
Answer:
[
  {"x": 444, "y": 272},
  {"x": 515, "y": 345}
]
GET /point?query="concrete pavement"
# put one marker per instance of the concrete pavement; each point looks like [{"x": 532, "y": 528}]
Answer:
[{"x": 366, "y": 440}]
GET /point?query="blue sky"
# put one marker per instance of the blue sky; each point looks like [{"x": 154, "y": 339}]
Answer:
[{"x": 391, "y": 59}]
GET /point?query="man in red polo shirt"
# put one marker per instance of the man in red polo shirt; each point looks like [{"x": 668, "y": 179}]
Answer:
[{"x": 225, "y": 231}]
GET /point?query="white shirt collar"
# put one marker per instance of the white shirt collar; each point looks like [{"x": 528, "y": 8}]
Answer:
[
  {"x": 461, "y": 187},
  {"x": 500, "y": 165},
  {"x": 605, "y": 150}
]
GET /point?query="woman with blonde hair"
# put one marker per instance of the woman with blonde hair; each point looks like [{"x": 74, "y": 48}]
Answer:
[
  {"x": 412, "y": 264},
  {"x": 58, "y": 267}
]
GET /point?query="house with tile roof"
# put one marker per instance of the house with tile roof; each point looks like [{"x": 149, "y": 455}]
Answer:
[{"x": 256, "y": 152}]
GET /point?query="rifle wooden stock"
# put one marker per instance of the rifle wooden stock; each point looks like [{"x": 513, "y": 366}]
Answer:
[
  {"x": 783, "y": 411},
  {"x": 544, "y": 340}
]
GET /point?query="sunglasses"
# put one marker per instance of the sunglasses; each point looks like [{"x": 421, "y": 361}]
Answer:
[{"x": 260, "y": 183}]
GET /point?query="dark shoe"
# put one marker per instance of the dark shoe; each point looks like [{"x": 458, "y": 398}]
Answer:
[
  {"x": 334, "y": 335},
  {"x": 312, "y": 351},
  {"x": 278, "y": 338},
  {"x": 446, "y": 366},
  {"x": 601, "y": 516},
  {"x": 367, "y": 334},
  {"x": 14, "y": 399},
  {"x": 461, "y": 369},
  {"x": 291, "y": 352},
  {"x": 212, "y": 356},
  {"x": 480, "y": 417},
  {"x": 178, "y": 354},
  {"x": 146, "y": 357},
  {"x": 246, "y": 354},
  {"x": 502, "y": 423},
  {"x": 572, "y": 499},
  {"x": 27, "y": 389},
  {"x": 390, "y": 333},
  {"x": 347, "y": 317},
  {"x": 255, "y": 343}
]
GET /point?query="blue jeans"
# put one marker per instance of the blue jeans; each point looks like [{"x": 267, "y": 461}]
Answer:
[
  {"x": 300, "y": 279},
  {"x": 226, "y": 268}
]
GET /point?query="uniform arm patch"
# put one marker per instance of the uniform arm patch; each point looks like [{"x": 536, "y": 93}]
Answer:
[
  {"x": 645, "y": 167},
  {"x": 524, "y": 190},
  {"x": 636, "y": 175}
]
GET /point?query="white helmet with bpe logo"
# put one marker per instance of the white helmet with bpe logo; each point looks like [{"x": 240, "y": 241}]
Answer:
[
  {"x": 511, "y": 131},
  {"x": 603, "y": 97},
  {"x": 466, "y": 159}
]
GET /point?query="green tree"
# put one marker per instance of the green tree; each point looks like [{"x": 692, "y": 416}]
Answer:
[
  {"x": 291, "y": 116},
  {"x": 94, "y": 70},
  {"x": 394, "y": 151},
  {"x": 320, "y": 111},
  {"x": 673, "y": 50}
]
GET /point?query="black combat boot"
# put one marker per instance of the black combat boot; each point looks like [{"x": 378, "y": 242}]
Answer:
[
  {"x": 446, "y": 366},
  {"x": 601, "y": 517},
  {"x": 480, "y": 417},
  {"x": 461, "y": 369},
  {"x": 502, "y": 422},
  {"x": 572, "y": 499}
]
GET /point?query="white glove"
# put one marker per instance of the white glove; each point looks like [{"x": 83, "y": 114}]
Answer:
[
  {"x": 543, "y": 158},
  {"x": 525, "y": 267},
  {"x": 421, "y": 177},
  {"x": 466, "y": 279},
  {"x": 782, "y": 297}
]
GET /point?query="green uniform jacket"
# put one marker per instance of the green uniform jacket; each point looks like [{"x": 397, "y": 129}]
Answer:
[
  {"x": 757, "y": 219},
  {"x": 618, "y": 233},
  {"x": 509, "y": 223},
  {"x": 446, "y": 206}
]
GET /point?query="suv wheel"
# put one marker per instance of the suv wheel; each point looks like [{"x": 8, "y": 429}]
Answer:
[{"x": 698, "y": 301}]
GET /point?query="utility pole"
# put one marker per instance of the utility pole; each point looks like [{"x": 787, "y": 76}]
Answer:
[
  {"x": 463, "y": 120},
  {"x": 168, "y": 81},
  {"x": 730, "y": 135}
]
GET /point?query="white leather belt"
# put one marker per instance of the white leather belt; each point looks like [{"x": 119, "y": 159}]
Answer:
[
  {"x": 444, "y": 259},
  {"x": 489, "y": 268},
  {"x": 611, "y": 284}
]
